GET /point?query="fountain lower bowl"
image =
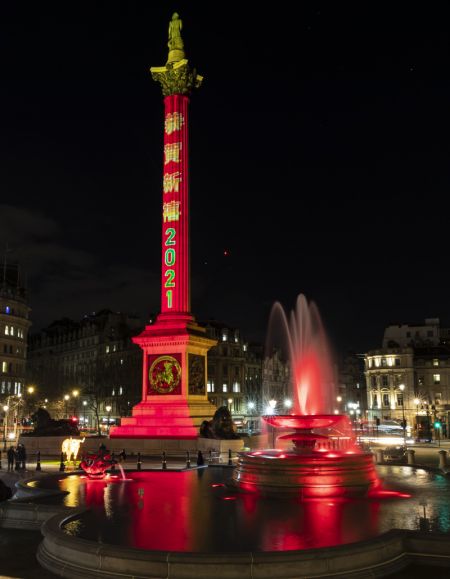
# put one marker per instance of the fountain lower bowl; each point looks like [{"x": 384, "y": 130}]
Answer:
[{"x": 313, "y": 475}]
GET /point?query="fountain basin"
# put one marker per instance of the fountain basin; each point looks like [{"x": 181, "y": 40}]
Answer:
[
  {"x": 303, "y": 421},
  {"x": 313, "y": 475}
]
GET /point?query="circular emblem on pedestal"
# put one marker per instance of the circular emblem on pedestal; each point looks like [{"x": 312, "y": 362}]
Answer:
[{"x": 164, "y": 374}]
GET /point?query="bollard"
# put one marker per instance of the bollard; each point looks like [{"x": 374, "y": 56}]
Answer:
[
  {"x": 410, "y": 452},
  {"x": 61, "y": 464},
  {"x": 38, "y": 460},
  {"x": 230, "y": 462},
  {"x": 139, "y": 461},
  {"x": 113, "y": 461},
  {"x": 188, "y": 459},
  {"x": 379, "y": 455},
  {"x": 442, "y": 459},
  {"x": 164, "y": 462}
]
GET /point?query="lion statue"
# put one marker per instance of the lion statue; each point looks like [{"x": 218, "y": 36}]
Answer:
[{"x": 220, "y": 427}]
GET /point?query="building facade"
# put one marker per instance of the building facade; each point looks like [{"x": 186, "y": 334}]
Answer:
[
  {"x": 89, "y": 369},
  {"x": 14, "y": 327},
  {"x": 409, "y": 378}
]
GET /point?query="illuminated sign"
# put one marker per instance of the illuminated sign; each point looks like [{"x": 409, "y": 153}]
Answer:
[
  {"x": 173, "y": 190},
  {"x": 173, "y": 122}
]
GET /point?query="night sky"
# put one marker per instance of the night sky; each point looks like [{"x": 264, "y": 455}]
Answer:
[{"x": 320, "y": 146}]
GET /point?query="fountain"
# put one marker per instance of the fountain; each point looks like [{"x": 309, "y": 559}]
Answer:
[{"x": 325, "y": 460}]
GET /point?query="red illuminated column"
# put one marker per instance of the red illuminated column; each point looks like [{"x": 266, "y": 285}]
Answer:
[{"x": 175, "y": 283}]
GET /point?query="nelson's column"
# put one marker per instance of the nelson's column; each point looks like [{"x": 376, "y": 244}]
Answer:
[{"x": 174, "y": 399}]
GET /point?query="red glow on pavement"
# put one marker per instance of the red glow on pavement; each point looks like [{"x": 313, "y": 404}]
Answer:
[
  {"x": 385, "y": 494},
  {"x": 216, "y": 485},
  {"x": 229, "y": 498}
]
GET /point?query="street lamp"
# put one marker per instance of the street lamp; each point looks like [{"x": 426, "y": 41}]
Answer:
[
  {"x": 288, "y": 403},
  {"x": 417, "y": 402},
  {"x": 75, "y": 405},
  {"x": 5, "y": 424},
  {"x": 108, "y": 410},
  {"x": 230, "y": 402},
  {"x": 402, "y": 388},
  {"x": 66, "y": 398},
  {"x": 84, "y": 408}
]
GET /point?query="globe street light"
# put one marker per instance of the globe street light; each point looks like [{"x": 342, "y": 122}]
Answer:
[
  {"x": 417, "y": 402},
  {"x": 108, "y": 410},
  {"x": 402, "y": 388},
  {"x": 66, "y": 398},
  {"x": 84, "y": 408},
  {"x": 230, "y": 402},
  {"x": 75, "y": 405},
  {"x": 288, "y": 403}
]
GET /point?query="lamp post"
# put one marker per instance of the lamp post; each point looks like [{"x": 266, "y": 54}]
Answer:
[
  {"x": 5, "y": 425},
  {"x": 30, "y": 391},
  {"x": 75, "y": 404},
  {"x": 66, "y": 399},
  {"x": 402, "y": 388},
  {"x": 84, "y": 413},
  {"x": 417, "y": 402},
  {"x": 108, "y": 410}
]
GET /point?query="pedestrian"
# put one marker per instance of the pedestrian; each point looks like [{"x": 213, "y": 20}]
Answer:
[
  {"x": 200, "y": 460},
  {"x": 17, "y": 455},
  {"x": 11, "y": 456},
  {"x": 122, "y": 456},
  {"x": 22, "y": 456},
  {"x": 102, "y": 449}
]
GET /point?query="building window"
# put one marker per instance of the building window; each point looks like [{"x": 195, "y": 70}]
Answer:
[
  {"x": 4, "y": 367},
  {"x": 370, "y": 362},
  {"x": 120, "y": 390},
  {"x": 437, "y": 378},
  {"x": 374, "y": 400},
  {"x": 7, "y": 310},
  {"x": 385, "y": 396},
  {"x": 224, "y": 336},
  {"x": 6, "y": 330},
  {"x": 435, "y": 362},
  {"x": 11, "y": 330},
  {"x": 383, "y": 362},
  {"x": 208, "y": 387},
  {"x": 399, "y": 398},
  {"x": 236, "y": 387},
  {"x": 397, "y": 362},
  {"x": 107, "y": 349},
  {"x": 377, "y": 362},
  {"x": 374, "y": 381},
  {"x": 244, "y": 347},
  {"x": 224, "y": 388},
  {"x": 438, "y": 397},
  {"x": 385, "y": 381}
]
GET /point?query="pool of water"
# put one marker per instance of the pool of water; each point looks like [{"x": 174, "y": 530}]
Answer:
[{"x": 195, "y": 511}]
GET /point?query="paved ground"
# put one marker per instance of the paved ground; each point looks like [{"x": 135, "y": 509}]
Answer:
[{"x": 18, "y": 548}]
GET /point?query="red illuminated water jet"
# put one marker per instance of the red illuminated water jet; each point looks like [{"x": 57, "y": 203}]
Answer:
[{"x": 325, "y": 460}]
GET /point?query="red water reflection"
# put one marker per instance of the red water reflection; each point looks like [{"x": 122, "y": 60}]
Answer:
[{"x": 178, "y": 511}]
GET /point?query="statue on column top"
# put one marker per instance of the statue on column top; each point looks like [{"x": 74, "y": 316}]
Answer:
[{"x": 175, "y": 26}]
